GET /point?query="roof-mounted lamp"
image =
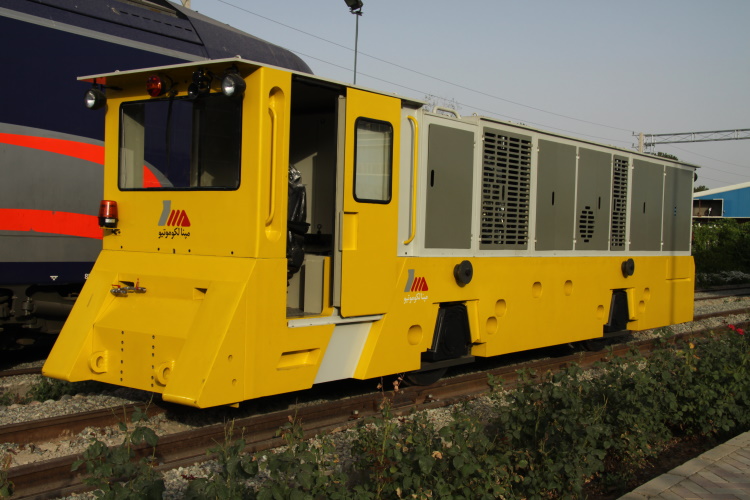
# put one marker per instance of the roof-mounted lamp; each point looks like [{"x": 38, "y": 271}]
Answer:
[
  {"x": 232, "y": 85},
  {"x": 95, "y": 98}
]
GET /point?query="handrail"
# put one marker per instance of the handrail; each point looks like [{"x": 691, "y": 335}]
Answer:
[
  {"x": 272, "y": 210},
  {"x": 413, "y": 232},
  {"x": 452, "y": 111}
]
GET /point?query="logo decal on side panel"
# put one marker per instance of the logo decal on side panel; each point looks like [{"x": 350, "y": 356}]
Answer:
[
  {"x": 171, "y": 217},
  {"x": 177, "y": 219},
  {"x": 415, "y": 286}
]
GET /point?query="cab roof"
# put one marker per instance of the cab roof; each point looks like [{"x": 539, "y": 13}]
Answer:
[{"x": 132, "y": 77}]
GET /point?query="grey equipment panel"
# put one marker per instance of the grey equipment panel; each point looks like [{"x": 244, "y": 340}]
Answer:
[
  {"x": 506, "y": 190},
  {"x": 620, "y": 170},
  {"x": 678, "y": 204},
  {"x": 593, "y": 199},
  {"x": 450, "y": 162},
  {"x": 646, "y": 206},
  {"x": 555, "y": 210}
]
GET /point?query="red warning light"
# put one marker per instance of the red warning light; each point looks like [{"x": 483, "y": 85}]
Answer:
[
  {"x": 108, "y": 214},
  {"x": 155, "y": 86}
]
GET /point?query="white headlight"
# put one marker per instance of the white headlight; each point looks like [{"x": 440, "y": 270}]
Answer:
[
  {"x": 95, "y": 98},
  {"x": 233, "y": 85}
]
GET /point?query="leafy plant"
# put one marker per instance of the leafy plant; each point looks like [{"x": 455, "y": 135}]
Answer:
[
  {"x": 48, "y": 388},
  {"x": 302, "y": 469},
  {"x": 562, "y": 431},
  {"x": 552, "y": 431},
  {"x": 8, "y": 398},
  {"x": 634, "y": 427},
  {"x": 230, "y": 481},
  {"x": 721, "y": 246},
  {"x": 409, "y": 457},
  {"x": 6, "y": 485},
  {"x": 115, "y": 472},
  {"x": 553, "y": 437}
]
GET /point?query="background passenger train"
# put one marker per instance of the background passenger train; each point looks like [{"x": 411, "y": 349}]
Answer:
[
  {"x": 433, "y": 239},
  {"x": 51, "y": 149}
]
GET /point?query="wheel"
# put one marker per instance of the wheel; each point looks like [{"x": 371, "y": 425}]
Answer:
[
  {"x": 428, "y": 377},
  {"x": 594, "y": 345}
]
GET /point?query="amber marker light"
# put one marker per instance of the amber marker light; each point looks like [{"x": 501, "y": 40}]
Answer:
[{"x": 108, "y": 214}]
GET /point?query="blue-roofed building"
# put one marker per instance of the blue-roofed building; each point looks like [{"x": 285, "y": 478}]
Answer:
[{"x": 729, "y": 202}]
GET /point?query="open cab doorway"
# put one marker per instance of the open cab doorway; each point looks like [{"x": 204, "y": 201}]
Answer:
[
  {"x": 343, "y": 147},
  {"x": 313, "y": 163}
]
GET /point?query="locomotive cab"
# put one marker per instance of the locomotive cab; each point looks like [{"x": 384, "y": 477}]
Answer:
[{"x": 198, "y": 256}]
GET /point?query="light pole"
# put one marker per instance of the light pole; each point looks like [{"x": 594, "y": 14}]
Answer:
[{"x": 355, "y": 7}]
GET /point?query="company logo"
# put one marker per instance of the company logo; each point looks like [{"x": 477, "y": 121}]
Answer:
[
  {"x": 171, "y": 217},
  {"x": 177, "y": 219},
  {"x": 415, "y": 286}
]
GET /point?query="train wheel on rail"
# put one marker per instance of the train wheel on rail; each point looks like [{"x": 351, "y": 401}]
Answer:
[
  {"x": 427, "y": 377},
  {"x": 451, "y": 345},
  {"x": 594, "y": 345}
]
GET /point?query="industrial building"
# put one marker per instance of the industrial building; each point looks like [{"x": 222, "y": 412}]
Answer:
[{"x": 728, "y": 202}]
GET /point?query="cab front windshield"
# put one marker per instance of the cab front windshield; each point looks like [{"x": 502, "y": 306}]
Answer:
[{"x": 180, "y": 143}]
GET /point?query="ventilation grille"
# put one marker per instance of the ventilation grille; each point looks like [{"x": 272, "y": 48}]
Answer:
[
  {"x": 506, "y": 178},
  {"x": 586, "y": 224},
  {"x": 619, "y": 203}
]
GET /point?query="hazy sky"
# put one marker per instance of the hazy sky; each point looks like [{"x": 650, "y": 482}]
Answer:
[{"x": 597, "y": 69}]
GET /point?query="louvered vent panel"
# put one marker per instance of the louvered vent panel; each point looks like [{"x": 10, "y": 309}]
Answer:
[
  {"x": 506, "y": 179},
  {"x": 586, "y": 224},
  {"x": 619, "y": 203}
]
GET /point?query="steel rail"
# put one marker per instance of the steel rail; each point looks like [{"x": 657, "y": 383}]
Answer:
[
  {"x": 20, "y": 371},
  {"x": 730, "y": 312},
  {"x": 47, "y": 429},
  {"x": 722, "y": 293}
]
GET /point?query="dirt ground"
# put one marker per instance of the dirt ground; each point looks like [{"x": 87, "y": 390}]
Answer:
[{"x": 681, "y": 450}]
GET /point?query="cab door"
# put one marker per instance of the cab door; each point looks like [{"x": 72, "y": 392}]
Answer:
[{"x": 368, "y": 202}]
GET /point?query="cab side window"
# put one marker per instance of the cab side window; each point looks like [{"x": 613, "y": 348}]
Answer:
[{"x": 373, "y": 162}]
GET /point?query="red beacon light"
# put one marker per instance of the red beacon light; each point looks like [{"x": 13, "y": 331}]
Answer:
[
  {"x": 155, "y": 86},
  {"x": 108, "y": 214}
]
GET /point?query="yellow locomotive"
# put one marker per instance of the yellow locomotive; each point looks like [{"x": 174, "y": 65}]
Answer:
[{"x": 433, "y": 238}]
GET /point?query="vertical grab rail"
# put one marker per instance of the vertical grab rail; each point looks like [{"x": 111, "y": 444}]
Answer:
[
  {"x": 272, "y": 209},
  {"x": 413, "y": 232}
]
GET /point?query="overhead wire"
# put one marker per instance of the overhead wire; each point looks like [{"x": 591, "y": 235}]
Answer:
[
  {"x": 713, "y": 168},
  {"x": 709, "y": 158},
  {"x": 411, "y": 70},
  {"x": 460, "y": 86},
  {"x": 470, "y": 106}
]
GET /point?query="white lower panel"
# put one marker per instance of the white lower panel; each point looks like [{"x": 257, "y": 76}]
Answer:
[{"x": 343, "y": 352}]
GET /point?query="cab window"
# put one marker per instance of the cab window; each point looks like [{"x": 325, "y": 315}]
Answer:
[
  {"x": 373, "y": 162},
  {"x": 180, "y": 143}
]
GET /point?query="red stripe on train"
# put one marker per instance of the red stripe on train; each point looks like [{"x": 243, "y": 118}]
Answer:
[
  {"x": 82, "y": 150},
  {"x": 47, "y": 221}
]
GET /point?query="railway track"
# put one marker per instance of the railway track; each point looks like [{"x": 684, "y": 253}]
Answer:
[
  {"x": 53, "y": 478},
  {"x": 722, "y": 293},
  {"x": 21, "y": 371},
  {"x": 719, "y": 314}
]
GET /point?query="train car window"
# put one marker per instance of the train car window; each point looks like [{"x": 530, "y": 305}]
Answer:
[
  {"x": 373, "y": 161},
  {"x": 180, "y": 143}
]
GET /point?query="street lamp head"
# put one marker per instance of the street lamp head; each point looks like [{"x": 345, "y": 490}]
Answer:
[{"x": 354, "y": 4}]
